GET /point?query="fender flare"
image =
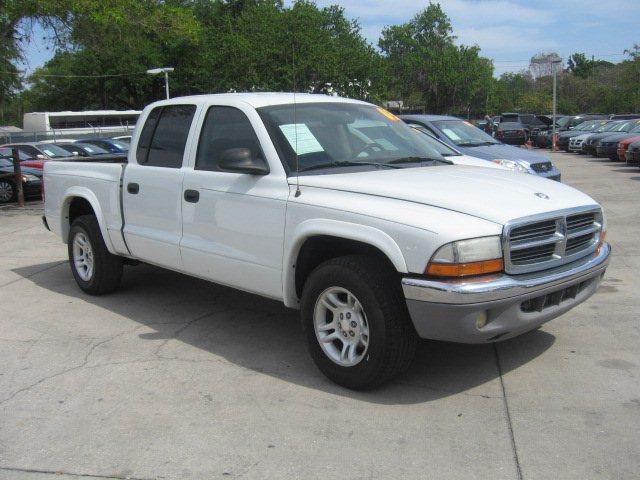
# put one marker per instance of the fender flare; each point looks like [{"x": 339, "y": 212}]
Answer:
[
  {"x": 89, "y": 196},
  {"x": 334, "y": 228}
]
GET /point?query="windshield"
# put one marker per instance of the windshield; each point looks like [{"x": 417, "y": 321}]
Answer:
[
  {"x": 53, "y": 151},
  {"x": 8, "y": 154},
  {"x": 563, "y": 121},
  {"x": 343, "y": 135},
  {"x": 463, "y": 133},
  {"x": 89, "y": 148}
]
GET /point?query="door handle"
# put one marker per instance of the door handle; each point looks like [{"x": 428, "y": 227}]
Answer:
[
  {"x": 192, "y": 196},
  {"x": 133, "y": 188}
]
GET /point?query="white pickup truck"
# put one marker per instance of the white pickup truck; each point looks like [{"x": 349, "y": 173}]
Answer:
[{"x": 340, "y": 210}]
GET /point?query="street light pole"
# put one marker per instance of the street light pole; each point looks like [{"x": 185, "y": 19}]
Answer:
[
  {"x": 166, "y": 88},
  {"x": 165, "y": 70},
  {"x": 555, "y": 100}
]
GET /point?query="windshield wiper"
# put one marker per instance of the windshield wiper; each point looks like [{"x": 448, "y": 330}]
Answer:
[
  {"x": 417, "y": 159},
  {"x": 475, "y": 144},
  {"x": 345, "y": 163}
]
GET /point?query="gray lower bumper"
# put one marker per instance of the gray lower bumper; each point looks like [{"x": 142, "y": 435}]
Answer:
[{"x": 449, "y": 310}]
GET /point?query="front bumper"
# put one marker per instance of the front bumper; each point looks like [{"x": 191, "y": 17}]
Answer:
[
  {"x": 513, "y": 304},
  {"x": 606, "y": 150}
]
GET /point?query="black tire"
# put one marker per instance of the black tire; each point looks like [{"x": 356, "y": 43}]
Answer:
[
  {"x": 9, "y": 192},
  {"x": 107, "y": 268},
  {"x": 392, "y": 338}
]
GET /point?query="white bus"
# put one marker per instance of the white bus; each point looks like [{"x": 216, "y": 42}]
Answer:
[{"x": 97, "y": 122}]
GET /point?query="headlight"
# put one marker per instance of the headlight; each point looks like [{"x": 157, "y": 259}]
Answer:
[
  {"x": 512, "y": 165},
  {"x": 29, "y": 178},
  {"x": 475, "y": 256}
]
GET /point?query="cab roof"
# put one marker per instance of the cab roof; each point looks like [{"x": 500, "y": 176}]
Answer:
[{"x": 261, "y": 99}]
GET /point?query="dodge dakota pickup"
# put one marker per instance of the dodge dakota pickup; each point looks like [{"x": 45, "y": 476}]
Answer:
[{"x": 339, "y": 209}]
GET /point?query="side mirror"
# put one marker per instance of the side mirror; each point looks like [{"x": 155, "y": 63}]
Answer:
[
  {"x": 75, "y": 154},
  {"x": 241, "y": 160}
]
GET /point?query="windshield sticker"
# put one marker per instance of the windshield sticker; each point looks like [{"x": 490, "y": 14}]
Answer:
[
  {"x": 89, "y": 149},
  {"x": 451, "y": 134},
  {"x": 301, "y": 139},
  {"x": 388, "y": 114}
]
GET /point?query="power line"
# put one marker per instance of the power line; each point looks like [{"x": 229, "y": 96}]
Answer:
[{"x": 75, "y": 76}]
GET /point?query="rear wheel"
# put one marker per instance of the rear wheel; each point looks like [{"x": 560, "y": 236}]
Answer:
[
  {"x": 95, "y": 270},
  {"x": 356, "y": 322},
  {"x": 7, "y": 192}
]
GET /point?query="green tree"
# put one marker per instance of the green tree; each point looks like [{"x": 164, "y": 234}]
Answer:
[{"x": 429, "y": 69}]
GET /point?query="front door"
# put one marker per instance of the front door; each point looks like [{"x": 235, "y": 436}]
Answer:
[{"x": 233, "y": 223}]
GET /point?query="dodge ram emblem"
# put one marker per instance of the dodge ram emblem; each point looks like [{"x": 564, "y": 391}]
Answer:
[{"x": 542, "y": 195}]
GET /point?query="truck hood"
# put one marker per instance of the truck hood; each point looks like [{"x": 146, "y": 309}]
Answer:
[
  {"x": 491, "y": 194},
  {"x": 503, "y": 152}
]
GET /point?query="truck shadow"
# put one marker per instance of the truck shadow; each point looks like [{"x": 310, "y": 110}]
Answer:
[{"x": 263, "y": 336}]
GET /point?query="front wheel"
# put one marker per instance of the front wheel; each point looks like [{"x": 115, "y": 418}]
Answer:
[
  {"x": 356, "y": 322},
  {"x": 95, "y": 270},
  {"x": 7, "y": 191}
]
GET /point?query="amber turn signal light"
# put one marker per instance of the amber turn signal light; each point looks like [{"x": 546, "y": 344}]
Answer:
[{"x": 464, "y": 269}]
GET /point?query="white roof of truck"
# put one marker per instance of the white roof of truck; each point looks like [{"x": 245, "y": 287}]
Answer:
[{"x": 261, "y": 99}]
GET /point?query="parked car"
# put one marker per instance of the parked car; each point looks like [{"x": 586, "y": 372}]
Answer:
[
  {"x": 109, "y": 144},
  {"x": 613, "y": 127},
  {"x": 123, "y": 138},
  {"x": 39, "y": 150},
  {"x": 511, "y": 133},
  {"x": 83, "y": 149},
  {"x": 469, "y": 140},
  {"x": 335, "y": 207},
  {"x": 571, "y": 121},
  {"x": 623, "y": 147},
  {"x": 31, "y": 181},
  {"x": 530, "y": 122},
  {"x": 608, "y": 146},
  {"x": 633, "y": 153},
  {"x": 580, "y": 132},
  {"x": 25, "y": 159},
  {"x": 455, "y": 156}
]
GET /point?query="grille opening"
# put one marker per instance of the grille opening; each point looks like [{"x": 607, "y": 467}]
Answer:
[
  {"x": 541, "y": 167},
  {"x": 529, "y": 232},
  {"x": 538, "y": 304},
  {"x": 578, "y": 243},
  {"x": 533, "y": 254},
  {"x": 577, "y": 222}
]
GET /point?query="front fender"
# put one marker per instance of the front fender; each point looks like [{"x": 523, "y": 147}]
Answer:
[
  {"x": 89, "y": 196},
  {"x": 334, "y": 228}
]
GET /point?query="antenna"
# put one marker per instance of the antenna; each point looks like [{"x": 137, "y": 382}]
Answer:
[{"x": 295, "y": 120}]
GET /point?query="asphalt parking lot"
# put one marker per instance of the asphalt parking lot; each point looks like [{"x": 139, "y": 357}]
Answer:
[{"x": 173, "y": 377}]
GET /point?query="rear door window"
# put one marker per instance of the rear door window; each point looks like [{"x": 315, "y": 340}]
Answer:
[{"x": 164, "y": 136}]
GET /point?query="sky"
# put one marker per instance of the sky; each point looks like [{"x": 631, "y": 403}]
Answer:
[{"x": 509, "y": 32}]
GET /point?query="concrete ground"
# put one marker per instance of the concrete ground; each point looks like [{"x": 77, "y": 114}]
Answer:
[{"x": 172, "y": 377}]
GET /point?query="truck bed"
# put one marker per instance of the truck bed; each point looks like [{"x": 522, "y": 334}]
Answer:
[{"x": 95, "y": 178}]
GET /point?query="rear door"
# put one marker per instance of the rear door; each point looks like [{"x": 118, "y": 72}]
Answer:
[{"x": 152, "y": 187}]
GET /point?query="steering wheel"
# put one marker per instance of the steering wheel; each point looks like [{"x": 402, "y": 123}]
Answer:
[{"x": 370, "y": 148}]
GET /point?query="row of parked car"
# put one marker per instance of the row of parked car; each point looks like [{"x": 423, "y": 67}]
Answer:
[{"x": 33, "y": 155}]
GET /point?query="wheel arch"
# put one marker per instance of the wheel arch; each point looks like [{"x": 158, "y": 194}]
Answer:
[
  {"x": 341, "y": 238},
  {"x": 82, "y": 201}
]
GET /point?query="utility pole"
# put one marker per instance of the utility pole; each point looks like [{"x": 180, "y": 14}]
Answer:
[{"x": 17, "y": 175}]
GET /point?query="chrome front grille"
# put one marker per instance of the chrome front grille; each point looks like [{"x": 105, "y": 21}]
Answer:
[
  {"x": 542, "y": 167},
  {"x": 540, "y": 243}
]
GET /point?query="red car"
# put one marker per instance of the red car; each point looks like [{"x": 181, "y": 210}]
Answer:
[
  {"x": 623, "y": 146},
  {"x": 25, "y": 159}
]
